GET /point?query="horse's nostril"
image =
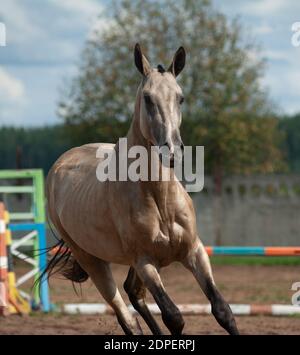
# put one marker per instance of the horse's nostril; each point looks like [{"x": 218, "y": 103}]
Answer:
[{"x": 182, "y": 146}]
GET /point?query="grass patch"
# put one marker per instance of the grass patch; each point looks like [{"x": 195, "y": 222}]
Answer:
[{"x": 255, "y": 260}]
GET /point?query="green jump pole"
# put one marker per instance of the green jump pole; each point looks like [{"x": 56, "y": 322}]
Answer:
[
  {"x": 40, "y": 219},
  {"x": 37, "y": 215}
]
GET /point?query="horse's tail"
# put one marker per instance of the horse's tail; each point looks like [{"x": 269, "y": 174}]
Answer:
[
  {"x": 73, "y": 271},
  {"x": 63, "y": 262}
]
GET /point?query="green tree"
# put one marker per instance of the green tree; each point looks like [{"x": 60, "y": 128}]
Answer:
[
  {"x": 225, "y": 108},
  {"x": 290, "y": 126}
]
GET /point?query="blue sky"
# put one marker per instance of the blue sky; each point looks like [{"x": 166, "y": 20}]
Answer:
[{"x": 45, "y": 38}]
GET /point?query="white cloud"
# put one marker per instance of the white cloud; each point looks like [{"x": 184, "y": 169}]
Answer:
[
  {"x": 12, "y": 99},
  {"x": 284, "y": 83},
  {"x": 18, "y": 23},
  {"x": 292, "y": 82},
  {"x": 273, "y": 54},
  {"x": 85, "y": 13},
  {"x": 262, "y": 30},
  {"x": 11, "y": 88},
  {"x": 86, "y": 8},
  {"x": 264, "y": 7}
]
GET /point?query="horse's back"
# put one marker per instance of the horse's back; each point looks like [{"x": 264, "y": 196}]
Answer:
[
  {"x": 78, "y": 161},
  {"x": 73, "y": 175}
]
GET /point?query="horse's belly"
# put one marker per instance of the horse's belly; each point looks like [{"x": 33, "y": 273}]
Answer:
[
  {"x": 93, "y": 231},
  {"x": 97, "y": 241}
]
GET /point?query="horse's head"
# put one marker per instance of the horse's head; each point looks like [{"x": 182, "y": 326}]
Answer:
[{"x": 160, "y": 101}]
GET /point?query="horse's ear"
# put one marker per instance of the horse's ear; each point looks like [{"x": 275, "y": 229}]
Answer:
[
  {"x": 141, "y": 61},
  {"x": 178, "y": 62}
]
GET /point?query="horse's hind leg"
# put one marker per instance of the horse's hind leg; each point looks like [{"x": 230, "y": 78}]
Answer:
[
  {"x": 171, "y": 315},
  {"x": 136, "y": 292},
  {"x": 198, "y": 263},
  {"x": 101, "y": 275}
]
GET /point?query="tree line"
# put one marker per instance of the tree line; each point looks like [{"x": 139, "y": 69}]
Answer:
[
  {"x": 40, "y": 147},
  {"x": 22, "y": 148}
]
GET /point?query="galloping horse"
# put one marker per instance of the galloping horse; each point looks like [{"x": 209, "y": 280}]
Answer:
[{"x": 144, "y": 224}]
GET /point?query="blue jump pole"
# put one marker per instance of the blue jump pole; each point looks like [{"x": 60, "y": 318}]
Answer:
[
  {"x": 238, "y": 250},
  {"x": 42, "y": 259},
  {"x": 42, "y": 266}
]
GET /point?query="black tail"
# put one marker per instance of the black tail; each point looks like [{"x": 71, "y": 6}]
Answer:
[
  {"x": 62, "y": 262},
  {"x": 74, "y": 272}
]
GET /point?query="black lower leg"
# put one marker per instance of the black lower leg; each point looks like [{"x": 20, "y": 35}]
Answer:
[
  {"x": 126, "y": 329},
  {"x": 137, "y": 292},
  {"x": 171, "y": 315},
  {"x": 222, "y": 311},
  {"x": 141, "y": 307}
]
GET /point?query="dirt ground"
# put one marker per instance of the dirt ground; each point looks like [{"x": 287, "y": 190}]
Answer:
[{"x": 239, "y": 284}]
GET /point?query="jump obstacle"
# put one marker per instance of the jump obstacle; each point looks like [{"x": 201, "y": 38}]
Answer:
[
  {"x": 254, "y": 251},
  {"x": 31, "y": 222},
  {"x": 243, "y": 251},
  {"x": 11, "y": 300},
  {"x": 188, "y": 309},
  {"x": 202, "y": 309}
]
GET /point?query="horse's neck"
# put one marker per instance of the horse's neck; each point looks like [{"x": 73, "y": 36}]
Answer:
[
  {"x": 163, "y": 192},
  {"x": 134, "y": 135}
]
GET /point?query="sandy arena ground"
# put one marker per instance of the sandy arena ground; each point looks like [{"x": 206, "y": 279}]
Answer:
[{"x": 239, "y": 284}]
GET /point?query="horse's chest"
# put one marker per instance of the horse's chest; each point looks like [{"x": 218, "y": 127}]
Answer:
[
  {"x": 165, "y": 236},
  {"x": 170, "y": 234},
  {"x": 169, "y": 243}
]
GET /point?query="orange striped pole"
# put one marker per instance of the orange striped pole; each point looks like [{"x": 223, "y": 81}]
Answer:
[
  {"x": 17, "y": 304},
  {"x": 209, "y": 251},
  {"x": 253, "y": 250},
  {"x": 3, "y": 263},
  {"x": 287, "y": 251}
]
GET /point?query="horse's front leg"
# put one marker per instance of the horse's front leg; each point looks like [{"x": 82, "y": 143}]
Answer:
[
  {"x": 136, "y": 291},
  {"x": 171, "y": 315},
  {"x": 198, "y": 263}
]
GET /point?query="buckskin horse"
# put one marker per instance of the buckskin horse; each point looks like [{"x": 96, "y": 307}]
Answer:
[{"x": 144, "y": 224}]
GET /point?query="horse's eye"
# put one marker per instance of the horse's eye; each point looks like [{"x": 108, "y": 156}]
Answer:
[
  {"x": 148, "y": 99},
  {"x": 181, "y": 100},
  {"x": 150, "y": 107}
]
